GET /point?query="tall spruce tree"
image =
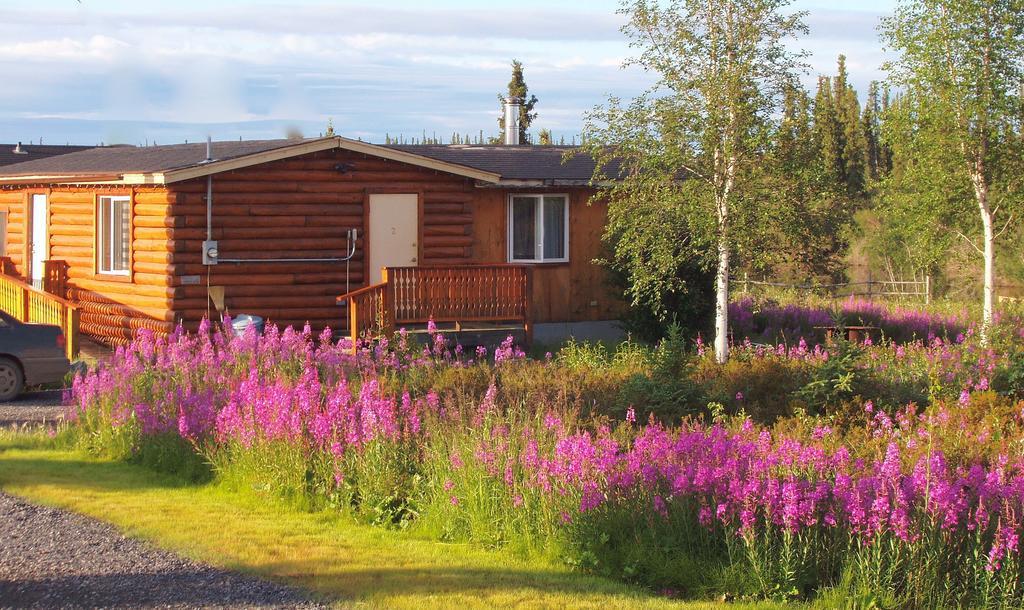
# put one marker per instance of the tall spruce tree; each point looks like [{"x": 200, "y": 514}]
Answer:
[
  {"x": 871, "y": 127},
  {"x": 854, "y": 143},
  {"x": 517, "y": 89},
  {"x": 828, "y": 132},
  {"x": 885, "y": 147}
]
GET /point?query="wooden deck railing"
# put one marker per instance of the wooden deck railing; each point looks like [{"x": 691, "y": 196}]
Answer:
[
  {"x": 55, "y": 278},
  {"x": 28, "y": 304},
  {"x": 462, "y": 293},
  {"x": 369, "y": 313}
]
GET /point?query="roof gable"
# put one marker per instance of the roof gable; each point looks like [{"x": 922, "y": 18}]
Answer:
[{"x": 177, "y": 162}]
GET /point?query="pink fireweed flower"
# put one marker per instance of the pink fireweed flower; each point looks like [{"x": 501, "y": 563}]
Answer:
[
  {"x": 704, "y": 516},
  {"x": 487, "y": 406},
  {"x": 552, "y": 421},
  {"x": 591, "y": 497}
]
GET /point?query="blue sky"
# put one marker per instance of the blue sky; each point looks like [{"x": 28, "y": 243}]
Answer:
[{"x": 141, "y": 70}]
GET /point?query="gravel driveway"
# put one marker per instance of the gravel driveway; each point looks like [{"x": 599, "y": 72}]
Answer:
[
  {"x": 50, "y": 558},
  {"x": 32, "y": 408}
]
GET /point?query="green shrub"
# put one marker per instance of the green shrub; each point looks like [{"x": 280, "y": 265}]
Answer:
[
  {"x": 833, "y": 381},
  {"x": 761, "y": 388},
  {"x": 1014, "y": 375}
]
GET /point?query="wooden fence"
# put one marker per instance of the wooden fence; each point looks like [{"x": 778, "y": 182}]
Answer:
[{"x": 914, "y": 289}]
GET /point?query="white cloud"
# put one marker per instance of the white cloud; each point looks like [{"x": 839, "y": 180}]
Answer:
[
  {"x": 95, "y": 48},
  {"x": 375, "y": 69}
]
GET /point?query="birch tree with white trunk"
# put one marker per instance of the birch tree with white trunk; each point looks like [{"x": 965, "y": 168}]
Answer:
[
  {"x": 688, "y": 155},
  {"x": 959, "y": 65}
]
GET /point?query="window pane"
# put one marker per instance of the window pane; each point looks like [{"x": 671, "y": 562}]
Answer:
[
  {"x": 114, "y": 234},
  {"x": 524, "y": 228},
  {"x": 119, "y": 246},
  {"x": 104, "y": 245},
  {"x": 3, "y": 233},
  {"x": 554, "y": 227}
]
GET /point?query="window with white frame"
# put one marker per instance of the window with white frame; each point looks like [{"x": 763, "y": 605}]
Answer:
[
  {"x": 538, "y": 228},
  {"x": 113, "y": 227}
]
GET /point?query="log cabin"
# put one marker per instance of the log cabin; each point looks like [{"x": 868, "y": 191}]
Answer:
[{"x": 332, "y": 231}]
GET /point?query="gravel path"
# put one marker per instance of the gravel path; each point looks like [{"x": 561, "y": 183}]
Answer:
[
  {"x": 32, "y": 408},
  {"x": 50, "y": 558}
]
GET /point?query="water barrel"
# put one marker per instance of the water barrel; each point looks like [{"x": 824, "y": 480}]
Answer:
[{"x": 243, "y": 321}]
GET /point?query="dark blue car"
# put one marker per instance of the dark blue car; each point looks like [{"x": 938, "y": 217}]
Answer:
[{"x": 30, "y": 354}]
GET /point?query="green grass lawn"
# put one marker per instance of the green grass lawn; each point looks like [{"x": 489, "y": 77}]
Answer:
[{"x": 357, "y": 565}]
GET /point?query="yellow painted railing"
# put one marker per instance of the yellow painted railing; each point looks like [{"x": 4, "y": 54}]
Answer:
[{"x": 27, "y": 304}]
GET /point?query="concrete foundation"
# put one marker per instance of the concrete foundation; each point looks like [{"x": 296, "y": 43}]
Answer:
[{"x": 557, "y": 332}]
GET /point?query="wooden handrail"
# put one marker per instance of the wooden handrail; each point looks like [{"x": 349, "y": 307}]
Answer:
[
  {"x": 29, "y": 304},
  {"x": 356, "y": 293},
  {"x": 453, "y": 293},
  {"x": 369, "y": 313}
]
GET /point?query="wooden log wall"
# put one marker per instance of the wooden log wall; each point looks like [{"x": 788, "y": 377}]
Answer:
[
  {"x": 12, "y": 203},
  {"x": 112, "y": 308},
  {"x": 297, "y": 208},
  {"x": 576, "y": 291}
]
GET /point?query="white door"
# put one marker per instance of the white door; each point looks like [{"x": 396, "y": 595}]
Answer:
[
  {"x": 393, "y": 232},
  {"x": 40, "y": 244}
]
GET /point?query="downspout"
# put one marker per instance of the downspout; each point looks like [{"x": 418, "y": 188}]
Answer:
[
  {"x": 209, "y": 191},
  {"x": 210, "y": 252}
]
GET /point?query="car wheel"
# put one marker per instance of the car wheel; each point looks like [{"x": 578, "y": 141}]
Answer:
[{"x": 11, "y": 379}]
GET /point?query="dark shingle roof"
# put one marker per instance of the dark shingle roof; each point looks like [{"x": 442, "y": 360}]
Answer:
[
  {"x": 510, "y": 162},
  {"x": 146, "y": 159},
  {"x": 34, "y": 152},
  {"x": 513, "y": 162}
]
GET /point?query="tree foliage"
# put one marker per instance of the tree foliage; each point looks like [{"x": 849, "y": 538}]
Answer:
[
  {"x": 957, "y": 129},
  {"x": 812, "y": 227},
  {"x": 690, "y": 154},
  {"x": 517, "y": 89}
]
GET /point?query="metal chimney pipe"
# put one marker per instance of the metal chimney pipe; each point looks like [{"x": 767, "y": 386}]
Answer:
[
  {"x": 512, "y": 106},
  {"x": 209, "y": 148}
]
